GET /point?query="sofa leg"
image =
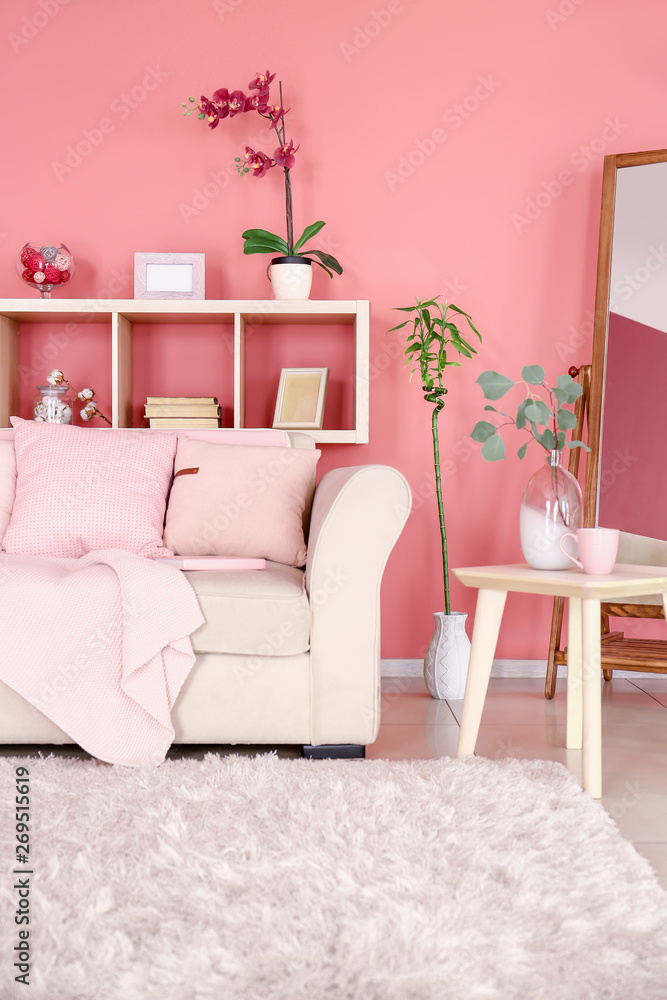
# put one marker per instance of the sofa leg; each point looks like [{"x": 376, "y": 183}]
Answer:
[{"x": 333, "y": 750}]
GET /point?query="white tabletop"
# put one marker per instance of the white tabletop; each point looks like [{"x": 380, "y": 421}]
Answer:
[{"x": 624, "y": 581}]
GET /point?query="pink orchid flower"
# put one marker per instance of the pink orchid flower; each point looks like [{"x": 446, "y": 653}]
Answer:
[
  {"x": 258, "y": 162},
  {"x": 284, "y": 155}
]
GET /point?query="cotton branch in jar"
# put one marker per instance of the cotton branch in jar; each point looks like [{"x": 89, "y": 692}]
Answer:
[{"x": 89, "y": 409}]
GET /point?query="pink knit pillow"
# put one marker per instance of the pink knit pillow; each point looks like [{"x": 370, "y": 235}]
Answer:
[
  {"x": 241, "y": 501},
  {"x": 80, "y": 489}
]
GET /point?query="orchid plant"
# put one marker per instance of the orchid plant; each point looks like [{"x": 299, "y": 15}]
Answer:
[{"x": 224, "y": 104}]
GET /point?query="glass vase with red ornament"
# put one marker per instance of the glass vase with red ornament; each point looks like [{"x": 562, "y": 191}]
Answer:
[{"x": 45, "y": 266}]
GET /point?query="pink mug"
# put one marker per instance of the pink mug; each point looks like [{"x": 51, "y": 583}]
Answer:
[{"x": 597, "y": 549}]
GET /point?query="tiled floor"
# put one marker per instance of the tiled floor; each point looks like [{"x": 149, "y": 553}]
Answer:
[{"x": 518, "y": 721}]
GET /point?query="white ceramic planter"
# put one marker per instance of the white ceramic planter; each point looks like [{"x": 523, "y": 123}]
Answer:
[
  {"x": 291, "y": 277},
  {"x": 447, "y": 657}
]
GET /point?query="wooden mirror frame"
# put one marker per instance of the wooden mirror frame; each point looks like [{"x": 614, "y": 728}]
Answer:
[
  {"x": 617, "y": 651},
  {"x": 612, "y": 164}
]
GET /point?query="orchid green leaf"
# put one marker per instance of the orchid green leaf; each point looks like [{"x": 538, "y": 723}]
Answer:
[
  {"x": 307, "y": 234},
  {"x": 326, "y": 260}
]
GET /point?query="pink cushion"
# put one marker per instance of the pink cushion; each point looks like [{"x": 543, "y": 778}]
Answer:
[
  {"x": 243, "y": 501},
  {"x": 7, "y": 483},
  {"x": 80, "y": 489}
]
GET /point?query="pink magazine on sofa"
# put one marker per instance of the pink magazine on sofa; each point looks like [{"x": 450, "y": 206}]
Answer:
[{"x": 214, "y": 562}]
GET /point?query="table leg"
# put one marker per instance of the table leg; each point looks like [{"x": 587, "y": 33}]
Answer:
[
  {"x": 592, "y": 697},
  {"x": 488, "y": 616},
  {"x": 574, "y": 652}
]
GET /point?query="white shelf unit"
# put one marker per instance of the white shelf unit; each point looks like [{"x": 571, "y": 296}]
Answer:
[{"x": 123, "y": 314}]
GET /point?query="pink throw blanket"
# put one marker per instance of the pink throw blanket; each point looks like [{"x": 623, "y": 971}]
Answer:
[{"x": 100, "y": 645}]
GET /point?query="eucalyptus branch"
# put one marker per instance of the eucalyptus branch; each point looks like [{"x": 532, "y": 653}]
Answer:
[{"x": 533, "y": 413}]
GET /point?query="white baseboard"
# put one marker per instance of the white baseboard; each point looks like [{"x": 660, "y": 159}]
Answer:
[
  {"x": 501, "y": 668},
  {"x": 401, "y": 668}
]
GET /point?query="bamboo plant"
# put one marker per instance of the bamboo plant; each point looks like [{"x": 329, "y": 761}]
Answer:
[{"x": 434, "y": 331}]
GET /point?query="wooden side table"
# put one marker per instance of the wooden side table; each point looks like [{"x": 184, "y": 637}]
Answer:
[{"x": 585, "y": 593}]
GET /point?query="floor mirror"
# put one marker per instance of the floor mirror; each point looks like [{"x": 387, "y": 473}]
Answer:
[{"x": 625, "y": 398}]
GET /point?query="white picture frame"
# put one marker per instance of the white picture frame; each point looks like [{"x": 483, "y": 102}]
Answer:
[
  {"x": 302, "y": 394},
  {"x": 168, "y": 275}
]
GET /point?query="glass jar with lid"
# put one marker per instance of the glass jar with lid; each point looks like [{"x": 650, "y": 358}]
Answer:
[{"x": 53, "y": 404}]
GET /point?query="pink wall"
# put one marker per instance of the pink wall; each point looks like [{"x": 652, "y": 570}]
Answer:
[{"x": 453, "y": 148}]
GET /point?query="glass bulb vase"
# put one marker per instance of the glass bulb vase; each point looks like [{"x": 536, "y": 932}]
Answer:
[
  {"x": 552, "y": 505},
  {"x": 45, "y": 266}
]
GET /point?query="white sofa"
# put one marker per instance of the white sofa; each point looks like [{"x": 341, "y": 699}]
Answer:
[{"x": 286, "y": 655}]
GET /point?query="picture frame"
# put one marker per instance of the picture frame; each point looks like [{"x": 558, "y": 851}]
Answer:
[
  {"x": 301, "y": 398},
  {"x": 168, "y": 275}
]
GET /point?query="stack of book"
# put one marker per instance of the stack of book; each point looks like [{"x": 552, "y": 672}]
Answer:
[{"x": 182, "y": 411}]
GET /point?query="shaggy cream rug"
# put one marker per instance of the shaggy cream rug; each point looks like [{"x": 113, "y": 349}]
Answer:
[{"x": 239, "y": 878}]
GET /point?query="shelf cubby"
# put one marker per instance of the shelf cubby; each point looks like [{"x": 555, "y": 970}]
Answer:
[{"x": 123, "y": 315}]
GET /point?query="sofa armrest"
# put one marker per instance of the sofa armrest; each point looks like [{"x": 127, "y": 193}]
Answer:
[
  {"x": 358, "y": 515},
  {"x": 640, "y": 550}
]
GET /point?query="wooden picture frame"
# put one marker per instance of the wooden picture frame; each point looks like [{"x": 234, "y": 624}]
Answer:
[
  {"x": 301, "y": 397},
  {"x": 168, "y": 275}
]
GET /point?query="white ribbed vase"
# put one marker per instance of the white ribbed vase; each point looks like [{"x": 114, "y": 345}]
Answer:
[{"x": 447, "y": 657}]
